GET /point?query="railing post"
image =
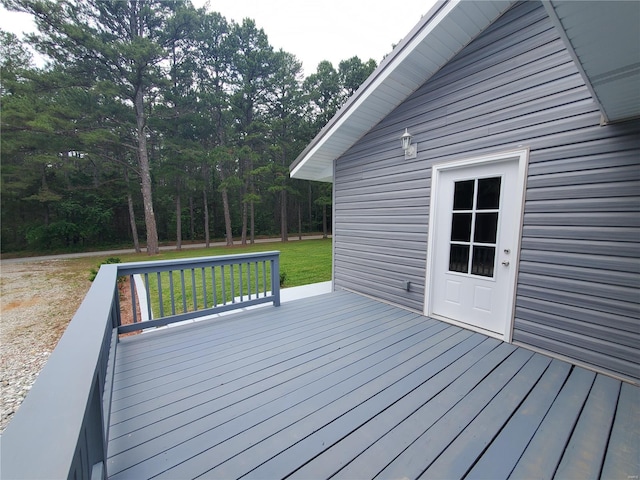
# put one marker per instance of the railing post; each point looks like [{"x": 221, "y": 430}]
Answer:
[
  {"x": 275, "y": 280},
  {"x": 115, "y": 314}
]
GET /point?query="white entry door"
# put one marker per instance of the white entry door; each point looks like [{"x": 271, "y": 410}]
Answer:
[{"x": 475, "y": 240}]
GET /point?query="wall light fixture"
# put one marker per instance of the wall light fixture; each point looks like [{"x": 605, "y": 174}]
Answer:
[{"x": 410, "y": 150}]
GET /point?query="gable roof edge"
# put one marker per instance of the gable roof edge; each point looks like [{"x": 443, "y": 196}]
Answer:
[
  {"x": 366, "y": 86},
  {"x": 331, "y": 141},
  {"x": 553, "y": 16}
]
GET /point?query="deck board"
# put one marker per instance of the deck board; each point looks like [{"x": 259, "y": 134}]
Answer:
[
  {"x": 500, "y": 458},
  {"x": 253, "y": 379},
  {"x": 297, "y": 380},
  {"x": 371, "y": 397},
  {"x": 436, "y": 438},
  {"x": 623, "y": 453},
  {"x": 343, "y": 385},
  {"x": 236, "y": 362},
  {"x": 372, "y": 418},
  {"x": 461, "y": 454},
  {"x": 584, "y": 454}
]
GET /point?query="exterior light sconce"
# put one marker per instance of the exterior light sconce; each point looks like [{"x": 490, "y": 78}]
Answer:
[{"x": 410, "y": 150}]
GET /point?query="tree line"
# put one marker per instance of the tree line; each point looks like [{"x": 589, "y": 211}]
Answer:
[{"x": 153, "y": 118}]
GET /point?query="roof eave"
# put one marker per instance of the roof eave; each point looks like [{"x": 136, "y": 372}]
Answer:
[{"x": 328, "y": 145}]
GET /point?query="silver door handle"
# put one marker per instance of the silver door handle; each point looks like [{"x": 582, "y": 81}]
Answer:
[{"x": 505, "y": 263}]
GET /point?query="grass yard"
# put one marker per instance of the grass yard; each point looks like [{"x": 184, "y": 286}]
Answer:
[
  {"x": 302, "y": 262},
  {"x": 181, "y": 291}
]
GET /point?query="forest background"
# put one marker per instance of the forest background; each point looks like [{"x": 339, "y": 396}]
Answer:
[{"x": 154, "y": 119}]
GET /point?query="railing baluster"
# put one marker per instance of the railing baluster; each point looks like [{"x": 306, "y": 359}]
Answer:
[
  {"x": 233, "y": 284},
  {"x": 241, "y": 282},
  {"x": 204, "y": 287},
  {"x": 146, "y": 284},
  {"x": 159, "y": 277},
  {"x": 264, "y": 279},
  {"x": 184, "y": 296},
  {"x": 257, "y": 282},
  {"x": 116, "y": 314},
  {"x": 193, "y": 289},
  {"x": 133, "y": 298},
  {"x": 249, "y": 280},
  {"x": 214, "y": 287},
  {"x": 173, "y": 296},
  {"x": 224, "y": 281}
]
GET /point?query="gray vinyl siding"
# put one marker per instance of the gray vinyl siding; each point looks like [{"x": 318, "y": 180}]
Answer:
[{"x": 514, "y": 86}]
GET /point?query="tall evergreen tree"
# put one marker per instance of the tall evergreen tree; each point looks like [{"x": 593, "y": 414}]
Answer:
[
  {"x": 182, "y": 99},
  {"x": 122, "y": 43},
  {"x": 254, "y": 69},
  {"x": 286, "y": 112}
]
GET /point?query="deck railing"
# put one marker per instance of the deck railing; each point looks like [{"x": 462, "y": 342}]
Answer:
[
  {"x": 62, "y": 427},
  {"x": 178, "y": 290}
]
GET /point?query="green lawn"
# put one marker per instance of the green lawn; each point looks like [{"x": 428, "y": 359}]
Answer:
[{"x": 302, "y": 262}]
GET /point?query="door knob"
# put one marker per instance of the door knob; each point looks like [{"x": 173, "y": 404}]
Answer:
[{"x": 505, "y": 263}]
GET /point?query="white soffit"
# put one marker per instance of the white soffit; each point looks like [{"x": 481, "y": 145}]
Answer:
[
  {"x": 604, "y": 40},
  {"x": 437, "y": 38}
]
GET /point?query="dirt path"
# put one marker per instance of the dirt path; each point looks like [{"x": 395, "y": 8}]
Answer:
[{"x": 37, "y": 301}]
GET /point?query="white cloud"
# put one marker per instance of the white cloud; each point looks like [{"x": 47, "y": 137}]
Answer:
[
  {"x": 331, "y": 30},
  {"x": 312, "y": 30}
]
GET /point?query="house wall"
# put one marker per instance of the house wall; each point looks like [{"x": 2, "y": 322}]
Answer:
[{"x": 514, "y": 86}]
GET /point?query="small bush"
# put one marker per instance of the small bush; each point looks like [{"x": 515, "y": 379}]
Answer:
[
  {"x": 283, "y": 278},
  {"x": 94, "y": 271}
]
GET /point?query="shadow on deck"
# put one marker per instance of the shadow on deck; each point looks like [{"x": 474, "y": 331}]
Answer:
[{"x": 342, "y": 386}]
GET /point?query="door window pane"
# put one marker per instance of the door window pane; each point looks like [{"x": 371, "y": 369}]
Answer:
[
  {"x": 486, "y": 227},
  {"x": 488, "y": 193},
  {"x": 474, "y": 226},
  {"x": 463, "y": 195},
  {"x": 459, "y": 258},
  {"x": 461, "y": 227},
  {"x": 483, "y": 260}
]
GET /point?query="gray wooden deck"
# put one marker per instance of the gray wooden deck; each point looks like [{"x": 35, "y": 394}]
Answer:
[{"x": 343, "y": 386}]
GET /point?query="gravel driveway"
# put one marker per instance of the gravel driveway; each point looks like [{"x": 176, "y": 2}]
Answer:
[
  {"x": 39, "y": 296},
  {"x": 38, "y": 300}
]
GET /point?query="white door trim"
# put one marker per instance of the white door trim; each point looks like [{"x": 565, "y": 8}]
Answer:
[{"x": 522, "y": 156}]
